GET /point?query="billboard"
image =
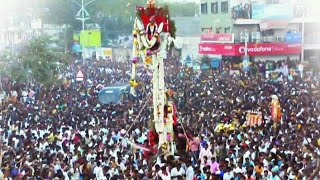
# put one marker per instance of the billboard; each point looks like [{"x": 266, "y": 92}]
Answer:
[
  {"x": 104, "y": 53},
  {"x": 294, "y": 37},
  {"x": 90, "y": 38},
  {"x": 254, "y": 49},
  {"x": 282, "y": 9},
  {"x": 217, "y": 38}
]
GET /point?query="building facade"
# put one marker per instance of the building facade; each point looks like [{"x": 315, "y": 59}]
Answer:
[
  {"x": 187, "y": 37},
  {"x": 215, "y": 16},
  {"x": 15, "y": 29},
  {"x": 271, "y": 29}
]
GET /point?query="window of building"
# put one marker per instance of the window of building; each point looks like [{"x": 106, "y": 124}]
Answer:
[
  {"x": 227, "y": 30},
  {"x": 224, "y": 6},
  {"x": 206, "y": 30},
  {"x": 214, "y": 8},
  {"x": 267, "y": 33},
  {"x": 218, "y": 30},
  {"x": 204, "y": 8}
]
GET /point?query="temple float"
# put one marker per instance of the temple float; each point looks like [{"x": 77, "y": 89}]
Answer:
[{"x": 152, "y": 38}]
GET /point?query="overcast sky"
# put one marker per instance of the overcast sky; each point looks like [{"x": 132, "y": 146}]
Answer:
[{"x": 180, "y": 1}]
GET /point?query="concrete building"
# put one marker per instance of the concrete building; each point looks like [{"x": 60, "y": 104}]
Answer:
[
  {"x": 273, "y": 29},
  {"x": 187, "y": 37},
  {"x": 215, "y": 16},
  {"x": 16, "y": 29}
]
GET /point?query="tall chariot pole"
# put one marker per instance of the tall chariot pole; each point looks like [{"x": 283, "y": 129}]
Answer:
[{"x": 151, "y": 42}]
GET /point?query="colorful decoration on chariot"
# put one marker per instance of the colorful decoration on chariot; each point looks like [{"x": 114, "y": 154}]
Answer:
[
  {"x": 170, "y": 93},
  {"x": 135, "y": 60},
  {"x": 153, "y": 138},
  {"x": 164, "y": 146},
  {"x": 151, "y": 4},
  {"x": 152, "y": 37},
  {"x": 275, "y": 109},
  {"x": 133, "y": 83},
  {"x": 148, "y": 60},
  {"x": 169, "y": 137}
]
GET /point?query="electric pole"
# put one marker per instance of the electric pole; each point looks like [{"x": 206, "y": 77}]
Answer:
[{"x": 83, "y": 14}]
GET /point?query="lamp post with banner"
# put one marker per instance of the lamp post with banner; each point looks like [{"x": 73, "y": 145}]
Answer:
[{"x": 245, "y": 61}]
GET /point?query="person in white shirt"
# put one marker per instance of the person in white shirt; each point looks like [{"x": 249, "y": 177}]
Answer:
[
  {"x": 189, "y": 172},
  {"x": 98, "y": 172},
  {"x": 228, "y": 175},
  {"x": 177, "y": 171},
  {"x": 164, "y": 174}
]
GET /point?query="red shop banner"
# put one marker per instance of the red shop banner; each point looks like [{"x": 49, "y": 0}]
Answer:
[
  {"x": 218, "y": 38},
  {"x": 254, "y": 49}
]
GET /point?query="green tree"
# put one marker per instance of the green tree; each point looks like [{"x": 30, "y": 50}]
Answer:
[{"x": 38, "y": 60}]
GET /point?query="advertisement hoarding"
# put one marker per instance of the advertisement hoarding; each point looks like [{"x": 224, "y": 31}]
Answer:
[
  {"x": 90, "y": 38},
  {"x": 254, "y": 49},
  {"x": 218, "y": 49},
  {"x": 104, "y": 53},
  {"x": 217, "y": 38},
  {"x": 294, "y": 37}
]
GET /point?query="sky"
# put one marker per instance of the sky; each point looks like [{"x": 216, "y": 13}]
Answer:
[{"x": 197, "y": 1}]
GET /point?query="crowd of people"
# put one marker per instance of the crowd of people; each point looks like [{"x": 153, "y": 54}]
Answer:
[{"x": 64, "y": 132}]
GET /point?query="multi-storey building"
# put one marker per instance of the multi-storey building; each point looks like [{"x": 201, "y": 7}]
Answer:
[
  {"x": 16, "y": 29},
  {"x": 271, "y": 29}
]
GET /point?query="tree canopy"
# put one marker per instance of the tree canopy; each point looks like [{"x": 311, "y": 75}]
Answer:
[{"x": 36, "y": 60}]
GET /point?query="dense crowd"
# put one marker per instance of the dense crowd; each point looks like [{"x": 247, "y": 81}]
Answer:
[{"x": 63, "y": 132}]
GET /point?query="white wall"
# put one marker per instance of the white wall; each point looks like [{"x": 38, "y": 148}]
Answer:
[{"x": 189, "y": 46}]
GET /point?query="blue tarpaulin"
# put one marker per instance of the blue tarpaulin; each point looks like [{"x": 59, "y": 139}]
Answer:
[{"x": 114, "y": 94}]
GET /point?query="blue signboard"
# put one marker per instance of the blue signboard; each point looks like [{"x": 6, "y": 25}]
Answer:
[
  {"x": 215, "y": 63},
  {"x": 246, "y": 64},
  {"x": 294, "y": 37},
  {"x": 76, "y": 48}
]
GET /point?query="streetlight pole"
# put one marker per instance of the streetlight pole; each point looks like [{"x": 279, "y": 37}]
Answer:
[
  {"x": 302, "y": 35},
  {"x": 246, "y": 43},
  {"x": 84, "y": 13},
  {"x": 84, "y": 16},
  {"x": 245, "y": 62}
]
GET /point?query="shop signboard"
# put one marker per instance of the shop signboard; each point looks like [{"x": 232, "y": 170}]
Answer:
[
  {"x": 254, "y": 49},
  {"x": 217, "y": 38},
  {"x": 294, "y": 37},
  {"x": 218, "y": 49}
]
